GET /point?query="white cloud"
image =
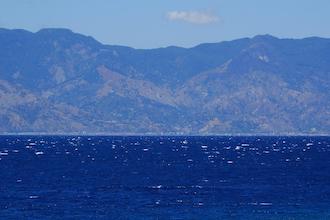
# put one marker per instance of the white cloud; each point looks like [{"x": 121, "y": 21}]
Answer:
[{"x": 194, "y": 17}]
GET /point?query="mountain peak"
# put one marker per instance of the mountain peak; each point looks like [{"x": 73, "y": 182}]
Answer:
[
  {"x": 14, "y": 32},
  {"x": 66, "y": 35},
  {"x": 264, "y": 37},
  {"x": 55, "y": 31}
]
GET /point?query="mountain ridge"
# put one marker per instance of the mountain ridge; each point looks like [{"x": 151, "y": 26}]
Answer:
[{"x": 55, "y": 80}]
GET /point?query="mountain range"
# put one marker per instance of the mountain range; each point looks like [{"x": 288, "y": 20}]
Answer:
[{"x": 58, "y": 81}]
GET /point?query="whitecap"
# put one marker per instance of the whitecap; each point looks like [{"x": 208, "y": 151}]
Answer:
[{"x": 39, "y": 153}]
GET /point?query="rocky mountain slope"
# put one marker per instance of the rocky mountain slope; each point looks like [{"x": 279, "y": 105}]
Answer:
[{"x": 57, "y": 81}]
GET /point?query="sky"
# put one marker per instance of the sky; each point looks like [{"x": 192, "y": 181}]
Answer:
[{"x": 161, "y": 23}]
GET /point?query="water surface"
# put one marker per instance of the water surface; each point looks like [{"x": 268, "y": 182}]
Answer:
[{"x": 58, "y": 177}]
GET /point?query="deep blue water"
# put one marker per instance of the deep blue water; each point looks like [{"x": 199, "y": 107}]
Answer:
[{"x": 45, "y": 177}]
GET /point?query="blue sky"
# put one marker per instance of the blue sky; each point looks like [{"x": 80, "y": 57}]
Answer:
[{"x": 159, "y": 23}]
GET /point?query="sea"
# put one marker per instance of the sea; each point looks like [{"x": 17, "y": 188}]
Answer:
[{"x": 149, "y": 177}]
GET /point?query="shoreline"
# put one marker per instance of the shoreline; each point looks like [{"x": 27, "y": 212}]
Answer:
[{"x": 168, "y": 134}]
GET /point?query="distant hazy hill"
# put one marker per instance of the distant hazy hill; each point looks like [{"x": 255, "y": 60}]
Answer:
[{"x": 59, "y": 81}]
